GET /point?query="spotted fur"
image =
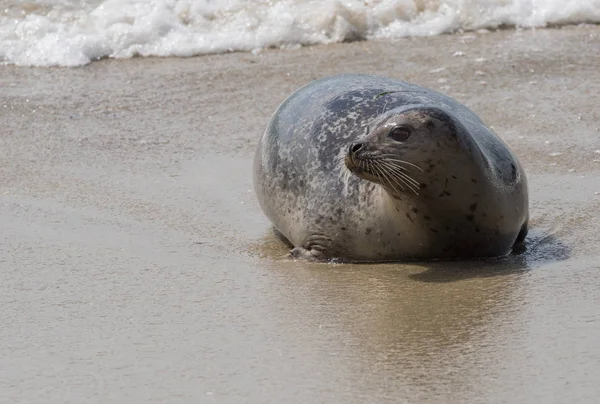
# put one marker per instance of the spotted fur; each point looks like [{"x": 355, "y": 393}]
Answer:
[{"x": 471, "y": 199}]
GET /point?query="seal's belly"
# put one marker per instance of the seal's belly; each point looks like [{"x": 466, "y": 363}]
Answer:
[{"x": 354, "y": 219}]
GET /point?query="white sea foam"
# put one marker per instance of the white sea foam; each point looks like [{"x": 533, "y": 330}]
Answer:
[{"x": 75, "y": 32}]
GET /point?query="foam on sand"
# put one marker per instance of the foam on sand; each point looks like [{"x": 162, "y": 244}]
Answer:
[{"x": 76, "y": 32}]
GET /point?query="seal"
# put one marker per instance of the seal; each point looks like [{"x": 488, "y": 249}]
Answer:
[{"x": 365, "y": 168}]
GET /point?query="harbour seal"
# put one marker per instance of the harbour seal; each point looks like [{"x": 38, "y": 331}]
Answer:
[{"x": 365, "y": 168}]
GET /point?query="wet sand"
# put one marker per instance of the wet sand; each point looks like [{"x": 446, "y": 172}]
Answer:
[{"x": 136, "y": 266}]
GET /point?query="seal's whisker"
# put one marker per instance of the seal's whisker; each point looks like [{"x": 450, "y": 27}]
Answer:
[
  {"x": 411, "y": 185},
  {"x": 383, "y": 177},
  {"x": 400, "y": 179},
  {"x": 405, "y": 162},
  {"x": 368, "y": 166},
  {"x": 414, "y": 184},
  {"x": 399, "y": 167},
  {"x": 392, "y": 177},
  {"x": 377, "y": 172},
  {"x": 398, "y": 163},
  {"x": 390, "y": 157},
  {"x": 403, "y": 184},
  {"x": 391, "y": 174},
  {"x": 405, "y": 180},
  {"x": 393, "y": 168},
  {"x": 399, "y": 171}
]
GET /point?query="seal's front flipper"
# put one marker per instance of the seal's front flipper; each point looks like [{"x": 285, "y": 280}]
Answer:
[
  {"x": 311, "y": 255},
  {"x": 314, "y": 248}
]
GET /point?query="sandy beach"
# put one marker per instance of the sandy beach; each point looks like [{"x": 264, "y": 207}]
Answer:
[{"x": 137, "y": 267}]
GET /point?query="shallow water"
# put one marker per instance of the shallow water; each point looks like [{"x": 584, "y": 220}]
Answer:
[
  {"x": 136, "y": 266},
  {"x": 77, "y": 32}
]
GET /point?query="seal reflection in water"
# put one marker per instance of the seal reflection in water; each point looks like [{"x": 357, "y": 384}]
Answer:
[{"x": 366, "y": 168}]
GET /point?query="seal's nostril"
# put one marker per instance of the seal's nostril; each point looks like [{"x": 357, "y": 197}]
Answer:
[{"x": 355, "y": 147}]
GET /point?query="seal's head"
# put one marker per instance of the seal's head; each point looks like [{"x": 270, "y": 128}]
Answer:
[{"x": 404, "y": 148}]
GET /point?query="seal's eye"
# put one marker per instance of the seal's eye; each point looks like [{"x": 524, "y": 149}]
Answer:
[{"x": 400, "y": 133}]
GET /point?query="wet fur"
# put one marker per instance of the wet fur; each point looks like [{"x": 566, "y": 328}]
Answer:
[{"x": 471, "y": 200}]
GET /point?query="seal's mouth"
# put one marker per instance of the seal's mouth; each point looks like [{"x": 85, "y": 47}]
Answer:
[
  {"x": 352, "y": 165},
  {"x": 365, "y": 168},
  {"x": 389, "y": 171},
  {"x": 357, "y": 160}
]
